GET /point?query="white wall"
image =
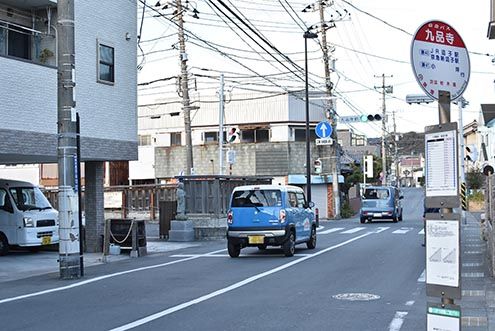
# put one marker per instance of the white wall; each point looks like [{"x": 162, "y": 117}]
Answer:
[
  {"x": 24, "y": 172},
  {"x": 28, "y": 96},
  {"x": 107, "y": 111},
  {"x": 144, "y": 168}
]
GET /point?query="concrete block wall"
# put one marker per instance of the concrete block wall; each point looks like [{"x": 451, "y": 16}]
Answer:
[{"x": 263, "y": 159}]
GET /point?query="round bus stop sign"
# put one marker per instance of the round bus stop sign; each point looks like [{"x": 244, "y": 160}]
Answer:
[{"x": 440, "y": 60}]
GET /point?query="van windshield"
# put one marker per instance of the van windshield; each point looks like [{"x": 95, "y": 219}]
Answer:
[
  {"x": 257, "y": 198},
  {"x": 29, "y": 198},
  {"x": 376, "y": 193}
]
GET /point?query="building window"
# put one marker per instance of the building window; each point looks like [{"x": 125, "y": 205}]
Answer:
[
  {"x": 144, "y": 140},
  {"x": 106, "y": 64},
  {"x": 255, "y": 136},
  {"x": 210, "y": 137},
  {"x": 262, "y": 135},
  {"x": 15, "y": 42},
  {"x": 300, "y": 134},
  {"x": 175, "y": 139},
  {"x": 247, "y": 136}
]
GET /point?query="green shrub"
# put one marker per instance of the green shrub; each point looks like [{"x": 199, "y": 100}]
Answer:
[
  {"x": 346, "y": 210},
  {"x": 477, "y": 196}
]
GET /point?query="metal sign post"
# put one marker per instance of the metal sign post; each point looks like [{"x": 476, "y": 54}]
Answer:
[{"x": 441, "y": 66}]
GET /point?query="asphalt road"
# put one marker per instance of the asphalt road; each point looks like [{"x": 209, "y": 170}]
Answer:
[{"x": 360, "y": 277}]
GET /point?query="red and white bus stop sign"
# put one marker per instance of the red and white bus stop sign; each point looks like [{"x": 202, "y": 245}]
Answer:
[{"x": 440, "y": 60}]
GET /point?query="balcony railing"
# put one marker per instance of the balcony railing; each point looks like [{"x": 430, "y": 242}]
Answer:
[{"x": 36, "y": 44}]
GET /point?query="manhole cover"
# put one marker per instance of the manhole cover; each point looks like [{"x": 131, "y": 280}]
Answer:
[{"x": 356, "y": 296}]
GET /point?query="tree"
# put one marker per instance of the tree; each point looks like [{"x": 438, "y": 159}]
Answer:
[{"x": 474, "y": 179}]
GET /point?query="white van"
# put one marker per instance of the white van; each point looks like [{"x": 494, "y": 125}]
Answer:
[{"x": 26, "y": 217}]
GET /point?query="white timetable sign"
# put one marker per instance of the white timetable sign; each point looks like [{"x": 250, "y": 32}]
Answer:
[{"x": 441, "y": 163}]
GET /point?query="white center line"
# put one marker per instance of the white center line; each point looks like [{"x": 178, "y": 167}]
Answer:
[
  {"x": 396, "y": 323},
  {"x": 330, "y": 230},
  {"x": 422, "y": 231},
  {"x": 410, "y": 303},
  {"x": 96, "y": 279},
  {"x": 353, "y": 230},
  {"x": 232, "y": 287}
]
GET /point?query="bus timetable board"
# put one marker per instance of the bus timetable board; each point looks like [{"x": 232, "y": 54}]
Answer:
[{"x": 442, "y": 184}]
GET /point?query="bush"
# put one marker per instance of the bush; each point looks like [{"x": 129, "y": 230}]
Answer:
[
  {"x": 474, "y": 179},
  {"x": 346, "y": 210},
  {"x": 477, "y": 197}
]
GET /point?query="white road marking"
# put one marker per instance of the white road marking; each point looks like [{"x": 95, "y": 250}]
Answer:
[
  {"x": 96, "y": 279},
  {"x": 422, "y": 231},
  {"x": 402, "y": 231},
  {"x": 227, "y": 255},
  {"x": 421, "y": 278},
  {"x": 410, "y": 303},
  {"x": 330, "y": 230},
  {"x": 381, "y": 229},
  {"x": 396, "y": 323},
  {"x": 321, "y": 227},
  {"x": 353, "y": 230},
  {"x": 232, "y": 287}
]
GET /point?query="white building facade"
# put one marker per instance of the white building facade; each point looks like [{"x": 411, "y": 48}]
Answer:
[
  {"x": 270, "y": 141},
  {"x": 105, "y": 92}
]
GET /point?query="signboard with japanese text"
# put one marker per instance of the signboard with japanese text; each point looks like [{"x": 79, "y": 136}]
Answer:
[
  {"x": 440, "y": 60},
  {"x": 443, "y": 317},
  {"x": 441, "y": 166}
]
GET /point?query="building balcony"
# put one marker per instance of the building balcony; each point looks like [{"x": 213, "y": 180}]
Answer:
[{"x": 28, "y": 32}]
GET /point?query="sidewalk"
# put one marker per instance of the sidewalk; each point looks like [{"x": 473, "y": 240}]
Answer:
[
  {"x": 19, "y": 264},
  {"x": 478, "y": 287}
]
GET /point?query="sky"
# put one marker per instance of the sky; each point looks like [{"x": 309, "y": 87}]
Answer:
[{"x": 370, "y": 38}]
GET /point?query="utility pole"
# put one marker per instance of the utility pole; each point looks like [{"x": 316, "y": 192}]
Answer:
[
  {"x": 221, "y": 111},
  {"x": 396, "y": 153},
  {"x": 186, "y": 102},
  {"x": 331, "y": 111},
  {"x": 69, "y": 254},
  {"x": 385, "y": 89}
]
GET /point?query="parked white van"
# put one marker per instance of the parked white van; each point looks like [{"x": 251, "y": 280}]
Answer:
[{"x": 26, "y": 217}]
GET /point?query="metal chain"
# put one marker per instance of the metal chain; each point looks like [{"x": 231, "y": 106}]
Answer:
[{"x": 126, "y": 237}]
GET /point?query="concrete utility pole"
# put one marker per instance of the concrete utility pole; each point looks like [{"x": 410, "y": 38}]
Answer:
[
  {"x": 331, "y": 112},
  {"x": 186, "y": 102},
  {"x": 396, "y": 152},
  {"x": 221, "y": 111},
  {"x": 385, "y": 89},
  {"x": 69, "y": 255}
]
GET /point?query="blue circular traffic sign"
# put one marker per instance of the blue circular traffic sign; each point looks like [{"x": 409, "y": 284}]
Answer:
[{"x": 323, "y": 130}]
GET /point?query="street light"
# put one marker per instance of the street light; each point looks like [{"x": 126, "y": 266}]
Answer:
[{"x": 307, "y": 35}]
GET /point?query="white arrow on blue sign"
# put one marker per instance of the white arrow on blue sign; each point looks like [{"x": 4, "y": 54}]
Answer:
[{"x": 323, "y": 130}]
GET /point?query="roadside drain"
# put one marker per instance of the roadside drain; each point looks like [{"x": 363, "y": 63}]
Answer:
[{"x": 356, "y": 296}]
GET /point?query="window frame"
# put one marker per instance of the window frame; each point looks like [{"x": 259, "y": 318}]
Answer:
[
  {"x": 99, "y": 62},
  {"x": 176, "y": 138}
]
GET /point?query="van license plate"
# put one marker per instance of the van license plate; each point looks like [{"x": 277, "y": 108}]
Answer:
[
  {"x": 377, "y": 215},
  {"x": 46, "y": 240},
  {"x": 256, "y": 239}
]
